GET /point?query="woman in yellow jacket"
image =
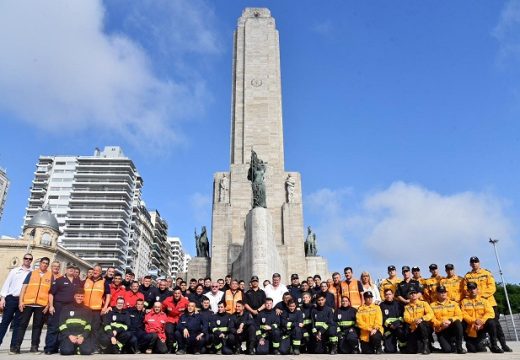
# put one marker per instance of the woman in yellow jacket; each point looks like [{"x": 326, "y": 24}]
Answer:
[
  {"x": 369, "y": 319},
  {"x": 418, "y": 314}
]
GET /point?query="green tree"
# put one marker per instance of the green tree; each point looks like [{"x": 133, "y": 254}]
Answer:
[{"x": 513, "y": 290}]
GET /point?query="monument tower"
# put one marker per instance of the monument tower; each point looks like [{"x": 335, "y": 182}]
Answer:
[{"x": 247, "y": 240}]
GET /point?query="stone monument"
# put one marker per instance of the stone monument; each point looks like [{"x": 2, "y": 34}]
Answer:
[{"x": 257, "y": 217}]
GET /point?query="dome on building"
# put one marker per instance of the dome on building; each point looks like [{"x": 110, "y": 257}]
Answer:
[{"x": 44, "y": 219}]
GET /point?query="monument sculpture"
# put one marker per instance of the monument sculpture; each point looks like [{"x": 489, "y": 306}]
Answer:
[
  {"x": 256, "y": 176},
  {"x": 289, "y": 188},
  {"x": 257, "y": 220},
  {"x": 202, "y": 243},
  {"x": 223, "y": 188},
  {"x": 310, "y": 243}
]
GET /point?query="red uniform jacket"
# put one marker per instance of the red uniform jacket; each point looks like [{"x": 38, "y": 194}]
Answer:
[
  {"x": 174, "y": 310},
  {"x": 116, "y": 293},
  {"x": 131, "y": 298},
  {"x": 155, "y": 323}
]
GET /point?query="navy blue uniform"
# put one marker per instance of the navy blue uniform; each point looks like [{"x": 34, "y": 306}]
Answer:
[
  {"x": 62, "y": 290},
  {"x": 75, "y": 320},
  {"x": 345, "y": 319},
  {"x": 195, "y": 326},
  {"x": 268, "y": 332},
  {"x": 323, "y": 324},
  {"x": 296, "y": 294},
  {"x": 150, "y": 293},
  {"x": 220, "y": 325},
  {"x": 395, "y": 329},
  {"x": 247, "y": 334},
  {"x": 292, "y": 331},
  {"x": 117, "y": 323}
]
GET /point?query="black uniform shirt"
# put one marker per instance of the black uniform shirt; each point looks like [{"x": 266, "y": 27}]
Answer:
[
  {"x": 255, "y": 299},
  {"x": 63, "y": 289}
]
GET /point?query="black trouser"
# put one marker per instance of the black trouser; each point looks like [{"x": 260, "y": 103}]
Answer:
[
  {"x": 25, "y": 318},
  {"x": 272, "y": 342},
  {"x": 11, "y": 315},
  {"x": 348, "y": 341},
  {"x": 170, "y": 330},
  {"x": 373, "y": 344},
  {"x": 96, "y": 328},
  {"x": 189, "y": 344},
  {"x": 475, "y": 344},
  {"x": 68, "y": 348},
  {"x": 453, "y": 333},
  {"x": 394, "y": 336},
  {"x": 500, "y": 333},
  {"x": 53, "y": 332},
  {"x": 330, "y": 336},
  {"x": 248, "y": 335},
  {"x": 291, "y": 338},
  {"x": 126, "y": 343},
  {"x": 419, "y": 339}
]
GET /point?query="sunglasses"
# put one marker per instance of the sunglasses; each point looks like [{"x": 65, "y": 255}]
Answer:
[{"x": 26, "y": 258}]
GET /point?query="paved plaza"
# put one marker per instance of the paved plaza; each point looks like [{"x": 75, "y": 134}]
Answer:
[{"x": 4, "y": 348}]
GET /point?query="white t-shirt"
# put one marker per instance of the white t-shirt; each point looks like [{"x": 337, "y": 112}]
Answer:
[
  {"x": 214, "y": 300},
  {"x": 275, "y": 293}
]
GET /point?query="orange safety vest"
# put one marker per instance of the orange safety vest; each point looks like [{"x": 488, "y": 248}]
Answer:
[
  {"x": 94, "y": 292},
  {"x": 351, "y": 290},
  {"x": 231, "y": 300},
  {"x": 37, "y": 291}
]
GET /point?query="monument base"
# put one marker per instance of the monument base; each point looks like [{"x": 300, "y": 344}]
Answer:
[
  {"x": 199, "y": 267},
  {"x": 317, "y": 265},
  {"x": 259, "y": 254}
]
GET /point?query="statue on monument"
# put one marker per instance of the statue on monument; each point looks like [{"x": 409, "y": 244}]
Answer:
[
  {"x": 290, "y": 183},
  {"x": 202, "y": 243},
  {"x": 256, "y": 176},
  {"x": 223, "y": 188},
  {"x": 310, "y": 243}
]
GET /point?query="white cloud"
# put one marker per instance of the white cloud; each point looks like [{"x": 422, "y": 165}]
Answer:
[
  {"x": 323, "y": 28},
  {"x": 409, "y": 224},
  {"x": 60, "y": 72},
  {"x": 507, "y": 31}
]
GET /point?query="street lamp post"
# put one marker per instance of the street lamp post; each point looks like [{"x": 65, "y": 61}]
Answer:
[{"x": 494, "y": 243}]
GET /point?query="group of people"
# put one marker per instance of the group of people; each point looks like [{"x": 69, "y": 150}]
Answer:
[{"x": 115, "y": 313}]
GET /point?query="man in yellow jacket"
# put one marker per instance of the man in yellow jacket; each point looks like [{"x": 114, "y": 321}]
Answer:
[
  {"x": 369, "y": 319},
  {"x": 390, "y": 282},
  {"x": 430, "y": 284},
  {"x": 447, "y": 322},
  {"x": 418, "y": 315},
  {"x": 479, "y": 319},
  {"x": 454, "y": 284},
  {"x": 487, "y": 288}
]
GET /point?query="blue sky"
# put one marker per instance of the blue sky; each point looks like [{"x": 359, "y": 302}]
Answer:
[{"x": 402, "y": 117}]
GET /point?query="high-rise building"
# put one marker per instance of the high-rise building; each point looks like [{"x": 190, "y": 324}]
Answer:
[
  {"x": 160, "y": 266},
  {"x": 94, "y": 199},
  {"x": 140, "y": 248},
  {"x": 177, "y": 256},
  {"x": 4, "y": 186}
]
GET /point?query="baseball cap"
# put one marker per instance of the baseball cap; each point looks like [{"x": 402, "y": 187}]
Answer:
[
  {"x": 368, "y": 294},
  {"x": 416, "y": 268},
  {"x": 472, "y": 285},
  {"x": 412, "y": 290},
  {"x": 294, "y": 276},
  {"x": 405, "y": 268},
  {"x": 449, "y": 267},
  {"x": 391, "y": 267},
  {"x": 254, "y": 278},
  {"x": 441, "y": 289},
  {"x": 433, "y": 267},
  {"x": 474, "y": 259}
]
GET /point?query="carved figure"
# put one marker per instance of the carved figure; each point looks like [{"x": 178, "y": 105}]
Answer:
[
  {"x": 310, "y": 243},
  {"x": 223, "y": 187},
  {"x": 202, "y": 243},
  {"x": 256, "y": 176},
  {"x": 290, "y": 183}
]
